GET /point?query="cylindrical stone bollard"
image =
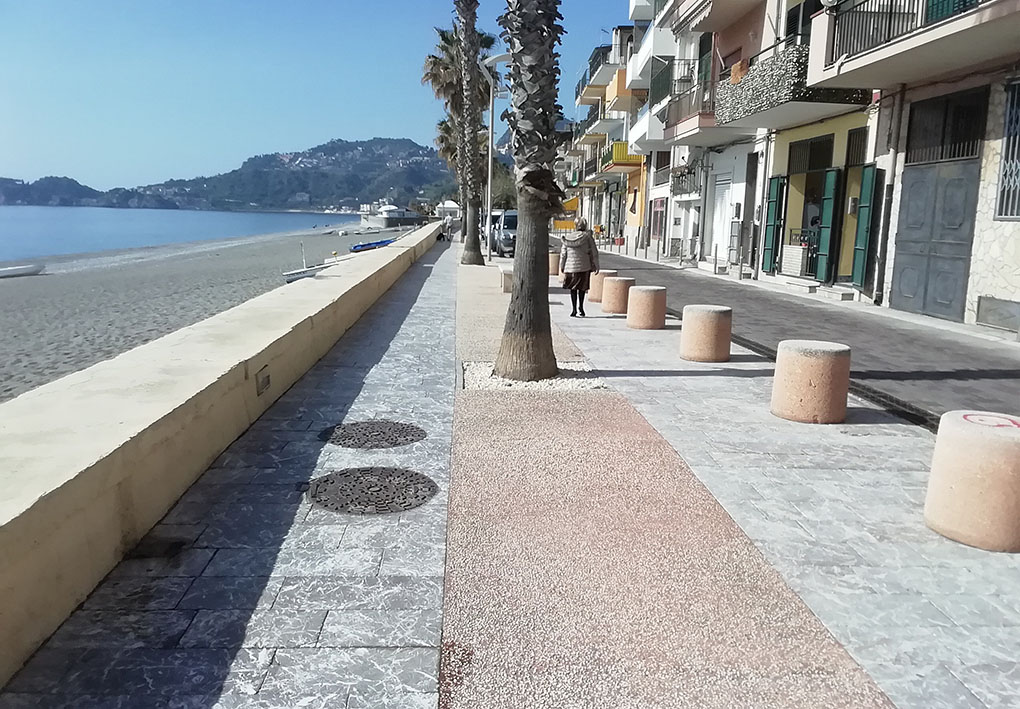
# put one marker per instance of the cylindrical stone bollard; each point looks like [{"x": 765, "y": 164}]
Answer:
[
  {"x": 974, "y": 489},
  {"x": 595, "y": 286},
  {"x": 615, "y": 292},
  {"x": 811, "y": 382},
  {"x": 705, "y": 333},
  {"x": 646, "y": 308},
  {"x": 554, "y": 263}
]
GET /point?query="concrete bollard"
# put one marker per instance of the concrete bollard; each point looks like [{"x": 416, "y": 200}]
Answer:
[
  {"x": 595, "y": 286},
  {"x": 705, "y": 333},
  {"x": 646, "y": 308},
  {"x": 974, "y": 489},
  {"x": 554, "y": 263},
  {"x": 615, "y": 294},
  {"x": 506, "y": 278},
  {"x": 811, "y": 382}
]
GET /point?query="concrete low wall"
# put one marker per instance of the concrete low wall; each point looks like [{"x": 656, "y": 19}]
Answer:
[{"x": 89, "y": 463}]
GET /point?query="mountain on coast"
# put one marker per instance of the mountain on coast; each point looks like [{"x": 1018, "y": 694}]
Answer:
[{"x": 336, "y": 174}]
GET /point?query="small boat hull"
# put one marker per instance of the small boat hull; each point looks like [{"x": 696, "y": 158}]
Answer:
[
  {"x": 33, "y": 269},
  {"x": 368, "y": 246}
]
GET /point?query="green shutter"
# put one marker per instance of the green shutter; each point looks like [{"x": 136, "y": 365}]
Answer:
[
  {"x": 829, "y": 225},
  {"x": 774, "y": 208},
  {"x": 865, "y": 216}
]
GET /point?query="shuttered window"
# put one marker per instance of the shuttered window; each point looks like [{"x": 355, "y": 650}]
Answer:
[
  {"x": 1009, "y": 177},
  {"x": 948, "y": 127}
]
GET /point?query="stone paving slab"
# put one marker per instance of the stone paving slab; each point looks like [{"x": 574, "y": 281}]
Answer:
[
  {"x": 247, "y": 594},
  {"x": 837, "y": 510},
  {"x": 930, "y": 368}
]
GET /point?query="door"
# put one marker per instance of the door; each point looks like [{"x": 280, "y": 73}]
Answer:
[
  {"x": 719, "y": 238},
  {"x": 938, "y": 204},
  {"x": 828, "y": 225},
  {"x": 865, "y": 216},
  {"x": 774, "y": 219}
]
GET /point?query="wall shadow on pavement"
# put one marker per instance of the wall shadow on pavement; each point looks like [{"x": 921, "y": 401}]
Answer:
[
  {"x": 173, "y": 621},
  {"x": 683, "y": 373}
]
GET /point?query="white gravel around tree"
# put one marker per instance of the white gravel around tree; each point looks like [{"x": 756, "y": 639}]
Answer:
[{"x": 573, "y": 376}]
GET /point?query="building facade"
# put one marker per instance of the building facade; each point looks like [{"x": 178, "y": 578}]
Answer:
[{"x": 868, "y": 150}]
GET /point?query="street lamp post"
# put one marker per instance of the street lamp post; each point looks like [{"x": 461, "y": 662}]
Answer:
[{"x": 485, "y": 66}]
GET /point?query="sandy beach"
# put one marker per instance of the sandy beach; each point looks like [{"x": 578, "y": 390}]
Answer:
[{"x": 90, "y": 308}]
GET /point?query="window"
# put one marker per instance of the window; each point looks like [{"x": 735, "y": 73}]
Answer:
[
  {"x": 798, "y": 20},
  {"x": 1009, "y": 177},
  {"x": 948, "y": 127},
  {"x": 812, "y": 154},
  {"x": 857, "y": 147}
]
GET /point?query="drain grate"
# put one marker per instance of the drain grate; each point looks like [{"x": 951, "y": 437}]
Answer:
[
  {"x": 373, "y": 434},
  {"x": 372, "y": 491}
]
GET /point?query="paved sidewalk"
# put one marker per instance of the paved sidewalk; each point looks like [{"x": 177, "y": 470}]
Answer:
[
  {"x": 249, "y": 595},
  {"x": 837, "y": 510},
  {"x": 587, "y": 567},
  {"x": 929, "y": 368}
]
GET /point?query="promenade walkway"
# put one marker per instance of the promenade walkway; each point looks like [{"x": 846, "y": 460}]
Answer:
[
  {"x": 922, "y": 367},
  {"x": 249, "y": 596},
  {"x": 640, "y": 534},
  {"x": 667, "y": 542}
]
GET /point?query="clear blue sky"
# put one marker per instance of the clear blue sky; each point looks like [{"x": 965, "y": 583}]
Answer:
[{"x": 130, "y": 92}]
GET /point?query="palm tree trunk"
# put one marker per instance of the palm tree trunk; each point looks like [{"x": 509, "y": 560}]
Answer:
[
  {"x": 467, "y": 14},
  {"x": 532, "y": 33}
]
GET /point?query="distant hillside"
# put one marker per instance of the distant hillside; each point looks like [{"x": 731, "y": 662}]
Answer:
[{"x": 337, "y": 174}]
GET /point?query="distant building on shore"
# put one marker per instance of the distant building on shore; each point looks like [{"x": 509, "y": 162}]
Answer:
[
  {"x": 389, "y": 215},
  {"x": 449, "y": 208}
]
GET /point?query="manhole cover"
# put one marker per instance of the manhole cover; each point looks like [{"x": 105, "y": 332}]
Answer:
[
  {"x": 372, "y": 491},
  {"x": 373, "y": 434}
]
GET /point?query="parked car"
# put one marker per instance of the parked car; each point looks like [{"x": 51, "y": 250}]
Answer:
[{"x": 504, "y": 237}]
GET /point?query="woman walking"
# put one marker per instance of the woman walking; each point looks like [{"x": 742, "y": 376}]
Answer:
[{"x": 579, "y": 258}]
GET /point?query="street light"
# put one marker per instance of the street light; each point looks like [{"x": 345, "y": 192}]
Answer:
[{"x": 485, "y": 66}]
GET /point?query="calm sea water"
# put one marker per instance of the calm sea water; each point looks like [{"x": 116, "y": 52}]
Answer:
[{"x": 39, "y": 232}]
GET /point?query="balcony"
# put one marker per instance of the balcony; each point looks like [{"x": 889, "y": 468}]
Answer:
[
  {"x": 617, "y": 158},
  {"x": 647, "y": 133},
  {"x": 882, "y": 43},
  {"x": 584, "y": 131},
  {"x": 619, "y": 97},
  {"x": 603, "y": 64},
  {"x": 657, "y": 42},
  {"x": 690, "y": 117},
  {"x": 712, "y": 15},
  {"x": 641, "y": 10},
  {"x": 686, "y": 180},
  {"x": 770, "y": 91}
]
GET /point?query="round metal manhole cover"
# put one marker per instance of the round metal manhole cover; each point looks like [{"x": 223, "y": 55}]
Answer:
[
  {"x": 373, "y": 434},
  {"x": 372, "y": 491}
]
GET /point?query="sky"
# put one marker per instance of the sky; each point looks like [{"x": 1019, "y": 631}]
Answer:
[{"x": 121, "y": 93}]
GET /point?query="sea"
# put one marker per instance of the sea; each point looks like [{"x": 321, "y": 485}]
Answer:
[{"x": 41, "y": 234}]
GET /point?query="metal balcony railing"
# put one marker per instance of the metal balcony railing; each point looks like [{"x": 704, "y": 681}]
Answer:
[
  {"x": 590, "y": 168},
  {"x": 692, "y": 99},
  {"x": 860, "y": 25},
  {"x": 658, "y": 6},
  {"x": 661, "y": 176},
  {"x": 685, "y": 181}
]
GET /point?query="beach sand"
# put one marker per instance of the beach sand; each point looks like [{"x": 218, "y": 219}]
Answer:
[{"x": 91, "y": 308}]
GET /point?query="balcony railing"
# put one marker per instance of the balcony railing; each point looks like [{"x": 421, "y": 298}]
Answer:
[
  {"x": 590, "y": 168},
  {"x": 690, "y": 100},
  {"x": 685, "y": 181},
  {"x": 860, "y": 25},
  {"x": 618, "y": 154},
  {"x": 661, "y": 176},
  {"x": 658, "y": 6}
]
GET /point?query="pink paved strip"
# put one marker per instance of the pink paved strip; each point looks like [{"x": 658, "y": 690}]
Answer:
[{"x": 588, "y": 567}]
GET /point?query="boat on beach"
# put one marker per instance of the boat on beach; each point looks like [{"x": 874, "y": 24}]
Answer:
[
  {"x": 29, "y": 269},
  {"x": 369, "y": 245}
]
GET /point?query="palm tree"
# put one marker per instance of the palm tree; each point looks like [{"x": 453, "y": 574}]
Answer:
[
  {"x": 470, "y": 123},
  {"x": 532, "y": 31},
  {"x": 446, "y": 143},
  {"x": 443, "y": 71}
]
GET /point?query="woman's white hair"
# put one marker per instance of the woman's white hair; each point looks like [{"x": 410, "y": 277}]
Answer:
[{"x": 582, "y": 224}]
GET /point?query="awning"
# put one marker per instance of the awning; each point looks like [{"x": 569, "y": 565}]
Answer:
[{"x": 570, "y": 205}]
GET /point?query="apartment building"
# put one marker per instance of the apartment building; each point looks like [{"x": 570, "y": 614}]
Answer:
[
  {"x": 948, "y": 142},
  {"x": 865, "y": 149}
]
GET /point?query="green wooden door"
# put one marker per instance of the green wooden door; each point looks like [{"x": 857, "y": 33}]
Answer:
[
  {"x": 865, "y": 216},
  {"x": 828, "y": 228},
  {"x": 775, "y": 206}
]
